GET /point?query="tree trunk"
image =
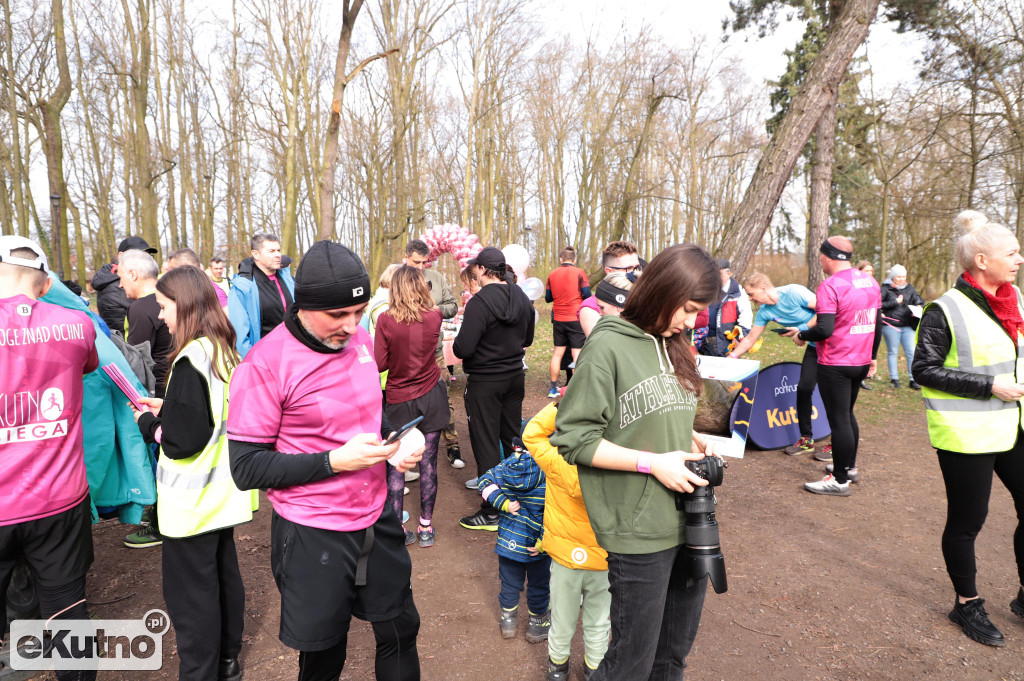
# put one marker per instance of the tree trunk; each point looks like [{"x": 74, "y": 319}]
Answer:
[
  {"x": 780, "y": 156},
  {"x": 821, "y": 189},
  {"x": 53, "y": 143},
  {"x": 17, "y": 161},
  {"x": 330, "y": 155}
]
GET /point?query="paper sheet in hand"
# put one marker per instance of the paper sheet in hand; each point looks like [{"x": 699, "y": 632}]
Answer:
[{"x": 122, "y": 382}]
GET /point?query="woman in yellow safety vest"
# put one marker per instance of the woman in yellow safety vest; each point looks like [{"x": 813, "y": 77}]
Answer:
[
  {"x": 198, "y": 504},
  {"x": 968, "y": 362}
]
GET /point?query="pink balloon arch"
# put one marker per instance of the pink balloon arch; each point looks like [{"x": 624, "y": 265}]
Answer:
[{"x": 451, "y": 238}]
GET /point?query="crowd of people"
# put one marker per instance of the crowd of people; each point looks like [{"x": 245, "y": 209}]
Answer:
[{"x": 301, "y": 386}]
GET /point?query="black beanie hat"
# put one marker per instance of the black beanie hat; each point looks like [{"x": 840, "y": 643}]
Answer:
[{"x": 329, "y": 277}]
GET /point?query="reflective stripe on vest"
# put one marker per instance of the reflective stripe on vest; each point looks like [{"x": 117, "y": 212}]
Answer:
[
  {"x": 980, "y": 346},
  {"x": 197, "y": 494}
]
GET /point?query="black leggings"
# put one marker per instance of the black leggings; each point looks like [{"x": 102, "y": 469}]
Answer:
[
  {"x": 397, "y": 658},
  {"x": 805, "y": 391},
  {"x": 839, "y": 387},
  {"x": 968, "y": 479}
]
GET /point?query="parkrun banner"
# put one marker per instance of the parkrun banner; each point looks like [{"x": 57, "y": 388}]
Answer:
[{"x": 773, "y": 421}]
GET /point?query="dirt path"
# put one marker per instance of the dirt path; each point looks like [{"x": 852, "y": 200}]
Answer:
[{"x": 819, "y": 587}]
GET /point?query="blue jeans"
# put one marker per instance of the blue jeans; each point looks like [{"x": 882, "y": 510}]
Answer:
[
  {"x": 536, "y": 575},
  {"x": 894, "y": 337},
  {"x": 655, "y": 614}
]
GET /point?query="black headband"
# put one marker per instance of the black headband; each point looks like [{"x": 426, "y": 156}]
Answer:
[
  {"x": 833, "y": 253},
  {"x": 613, "y": 295}
]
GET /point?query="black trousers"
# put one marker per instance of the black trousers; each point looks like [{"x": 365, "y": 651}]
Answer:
[
  {"x": 58, "y": 551},
  {"x": 839, "y": 387},
  {"x": 968, "y": 479},
  {"x": 206, "y": 601},
  {"x": 495, "y": 413},
  {"x": 805, "y": 390}
]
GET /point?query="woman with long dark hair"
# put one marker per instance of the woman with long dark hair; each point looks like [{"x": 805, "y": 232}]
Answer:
[
  {"x": 198, "y": 504},
  {"x": 404, "y": 344},
  {"x": 626, "y": 421}
]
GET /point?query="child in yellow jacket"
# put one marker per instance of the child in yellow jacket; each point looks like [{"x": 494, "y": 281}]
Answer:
[{"x": 579, "y": 566}]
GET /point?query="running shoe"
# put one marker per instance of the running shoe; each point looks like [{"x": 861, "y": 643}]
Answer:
[
  {"x": 455, "y": 457},
  {"x": 480, "y": 521},
  {"x": 824, "y": 454},
  {"x": 829, "y": 486},
  {"x": 411, "y": 476},
  {"x": 144, "y": 538},
  {"x": 426, "y": 537},
  {"x": 852, "y": 474},
  {"x": 803, "y": 446}
]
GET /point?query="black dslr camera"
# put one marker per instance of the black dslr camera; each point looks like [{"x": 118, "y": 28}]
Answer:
[{"x": 702, "y": 551}]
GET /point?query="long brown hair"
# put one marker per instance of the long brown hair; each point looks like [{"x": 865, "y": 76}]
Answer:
[
  {"x": 680, "y": 273},
  {"x": 199, "y": 315},
  {"x": 409, "y": 295}
]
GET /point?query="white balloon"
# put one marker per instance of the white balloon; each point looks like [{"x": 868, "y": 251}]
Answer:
[
  {"x": 517, "y": 257},
  {"x": 532, "y": 287}
]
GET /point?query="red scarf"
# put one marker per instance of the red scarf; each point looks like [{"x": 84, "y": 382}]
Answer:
[{"x": 1003, "y": 304}]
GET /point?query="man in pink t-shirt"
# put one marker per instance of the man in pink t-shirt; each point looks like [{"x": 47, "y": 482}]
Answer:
[
  {"x": 848, "y": 304},
  {"x": 44, "y": 495},
  {"x": 306, "y": 424}
]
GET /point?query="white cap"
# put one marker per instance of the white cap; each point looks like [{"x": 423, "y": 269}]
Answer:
[{"x": 9, "y": 243}]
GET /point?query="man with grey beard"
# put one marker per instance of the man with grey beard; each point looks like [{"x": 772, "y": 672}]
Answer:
[{"x": 306, "y": 423}]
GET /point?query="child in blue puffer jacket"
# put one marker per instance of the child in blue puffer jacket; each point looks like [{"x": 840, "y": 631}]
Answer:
[{"x": 516, "y": 488}]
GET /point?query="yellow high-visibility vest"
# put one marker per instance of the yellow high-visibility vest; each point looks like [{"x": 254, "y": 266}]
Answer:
[
  {"x": 198, "y": 494},
  {"x": 980, "y": 346}
]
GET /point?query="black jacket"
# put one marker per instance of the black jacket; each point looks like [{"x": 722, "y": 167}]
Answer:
[
  {"x": 898, "y": 313},
  {"x": 111, "y": 300},
  {"x": 496, "y": 326},
  {"x": 934, "y": 339}
]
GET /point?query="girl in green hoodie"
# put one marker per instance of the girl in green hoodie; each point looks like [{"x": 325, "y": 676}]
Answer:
[{"x": 626, "y": 421}]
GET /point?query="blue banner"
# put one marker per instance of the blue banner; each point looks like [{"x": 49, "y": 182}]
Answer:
[{"x": 771, "y": 401}]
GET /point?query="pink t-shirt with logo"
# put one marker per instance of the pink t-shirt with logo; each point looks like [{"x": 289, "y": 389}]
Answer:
[
  {"x": 854, "y": 298},
  {"x": 301, "y": 402},
  {"x": 45, "y": 350}
]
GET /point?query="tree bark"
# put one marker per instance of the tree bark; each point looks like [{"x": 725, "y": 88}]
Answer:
[
  {"x": 780, "y": 156},
  {"x": 330, "y": 155},
  {"x": 821, "y": 189},
  {"x": 53, "y": 143}
]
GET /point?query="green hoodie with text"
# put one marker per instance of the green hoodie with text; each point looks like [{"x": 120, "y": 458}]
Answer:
[{"x": 625, "y": 390}]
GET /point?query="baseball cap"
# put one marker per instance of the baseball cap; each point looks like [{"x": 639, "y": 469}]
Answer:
[
  {"x": 135, "y": 242},
  {"x": 10, "y": 243},
  {"x": 723, "y": 264},
  {"x": 490, "y": 258}
]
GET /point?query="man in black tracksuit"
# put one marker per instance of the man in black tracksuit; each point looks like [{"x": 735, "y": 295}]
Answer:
[
  {"x": 496, "y": 326},
  {"x": 111, "y": 300}
]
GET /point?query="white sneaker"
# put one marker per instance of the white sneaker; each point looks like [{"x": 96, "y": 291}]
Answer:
[
  {"x": 829, "y": 486},
  {"x": 411, "y": 476},
  {"x": 851, "y": 474},
  {"x": 471, "y": 483},
  {"x": 405, "y": 492}
]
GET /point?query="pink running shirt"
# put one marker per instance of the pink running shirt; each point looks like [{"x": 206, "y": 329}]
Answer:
[
  {"x": 301, "y": 402},
  {"x": 854, "y": 298},
  {"x": 45, "y": 350}
]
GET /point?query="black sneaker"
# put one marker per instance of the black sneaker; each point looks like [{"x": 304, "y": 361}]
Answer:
[
  {"x": 914, "y": 385},
  {"x": 1017, "y": 604},
  {"x": 558, "y": 672},
  {"x": 895, "y": 383},
  {"x": 973, "y": 619},
  {"x": 480, "y": 520},
  {"x": 455, "y": 457}
]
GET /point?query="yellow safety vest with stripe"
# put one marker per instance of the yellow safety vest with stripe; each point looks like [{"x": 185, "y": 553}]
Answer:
[
  {"x": 198, "y": 494},
  {"x": 980, "y": 346}
]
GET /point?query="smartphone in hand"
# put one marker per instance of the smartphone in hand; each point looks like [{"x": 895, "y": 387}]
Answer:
[{"x": 397, "y": 435}]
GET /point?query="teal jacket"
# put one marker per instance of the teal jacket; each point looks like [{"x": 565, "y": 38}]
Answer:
[
  {"x": 244, "y": 304},
  {"x": 117, "y": 461}
]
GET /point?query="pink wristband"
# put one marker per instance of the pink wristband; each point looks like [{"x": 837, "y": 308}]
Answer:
[{"x": 643, "y": 463}]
